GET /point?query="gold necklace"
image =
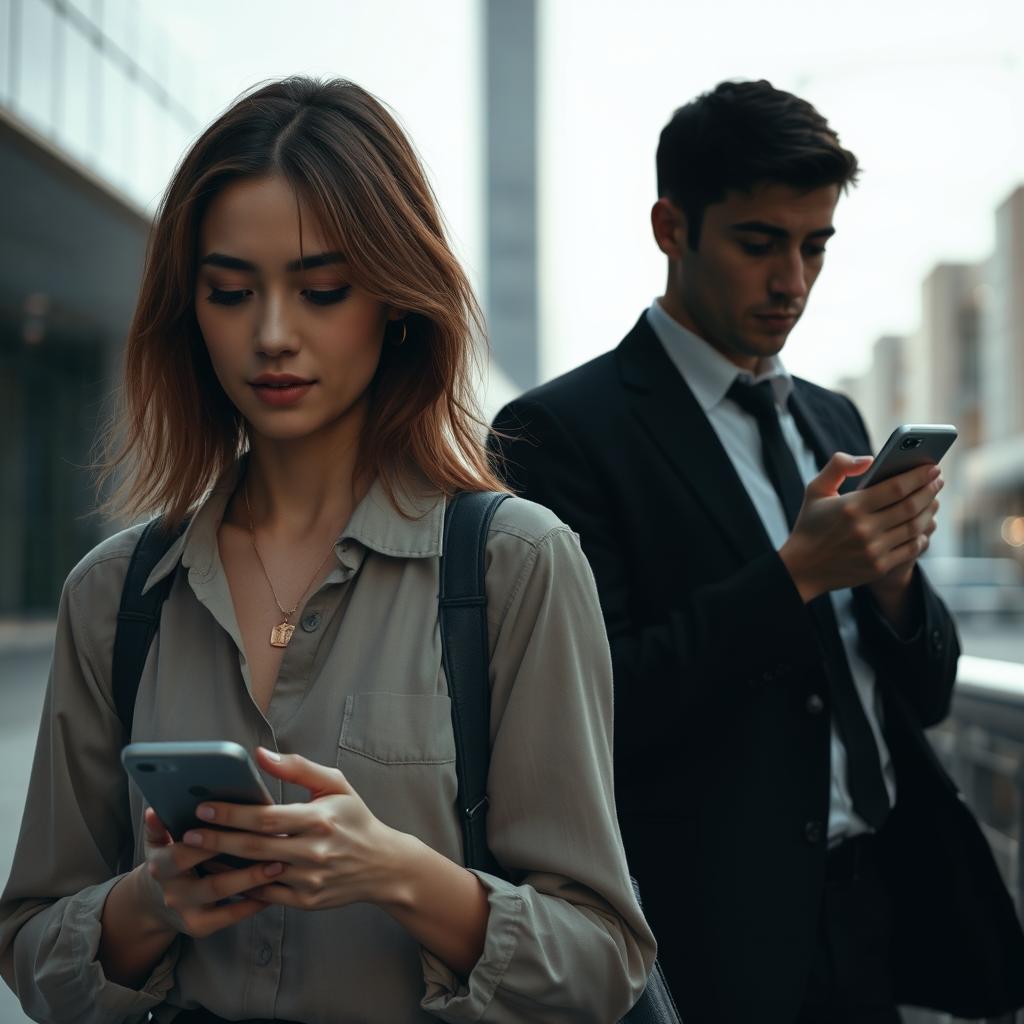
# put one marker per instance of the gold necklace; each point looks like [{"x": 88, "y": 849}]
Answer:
[{"x": 281, "y": 634}]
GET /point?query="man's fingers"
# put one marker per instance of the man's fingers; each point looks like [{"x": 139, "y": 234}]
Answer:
[
  {"x": 835, "y": 471},
  {"x": 896, "y": 488},
  {"x": 910, "y": 508},
  {"x": 319, "y": 779}
]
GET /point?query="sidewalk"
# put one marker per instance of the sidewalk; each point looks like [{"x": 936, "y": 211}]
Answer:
[{"x": 25, "y": 636}]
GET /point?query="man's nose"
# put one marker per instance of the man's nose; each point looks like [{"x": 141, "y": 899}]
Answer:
[
  {"x": 275, "y": 331},
  {"x": 790, "y": 277}
]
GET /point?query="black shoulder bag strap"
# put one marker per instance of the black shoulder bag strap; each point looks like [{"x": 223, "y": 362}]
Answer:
[
  {"x": 139, "y": 617},
  {"x": 462, "y": 614},
  {"x": 462, "y": 610}
]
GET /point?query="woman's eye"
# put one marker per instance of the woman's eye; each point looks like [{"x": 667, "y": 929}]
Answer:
[
  {"x": 321, "y": 297},
  {"x": 227, "y": 298}
]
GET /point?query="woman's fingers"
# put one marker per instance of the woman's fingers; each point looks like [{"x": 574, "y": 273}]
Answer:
[
  {"x": 156, "y": 831},
  {"x": 319, "y": 779},
  {"x": 214, "y": 888}
]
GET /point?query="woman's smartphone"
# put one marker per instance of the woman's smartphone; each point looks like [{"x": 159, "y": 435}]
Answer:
[
  {"x": 909, "y": 446},
  {"x": 176, "y": 777}
]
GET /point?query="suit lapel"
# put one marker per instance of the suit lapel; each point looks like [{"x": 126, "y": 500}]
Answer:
[
  {"x": 672, "y": 416},
  {"x": 819, "y": 431}
]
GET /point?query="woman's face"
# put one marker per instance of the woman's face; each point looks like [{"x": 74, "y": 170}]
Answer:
[{"x": 293, "y": 343}]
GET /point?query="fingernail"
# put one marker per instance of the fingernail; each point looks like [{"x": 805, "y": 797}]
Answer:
[
  {"x": 193, "y": 838},
  {"x": 206, "y": 813},
  {"x": 272, "y": 754},
  {"x": 273, "y": 869}
]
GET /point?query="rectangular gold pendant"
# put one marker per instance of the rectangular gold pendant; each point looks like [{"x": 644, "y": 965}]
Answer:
[{"x": 281, "y": 634}]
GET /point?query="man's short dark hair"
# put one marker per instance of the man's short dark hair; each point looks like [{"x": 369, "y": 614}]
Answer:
[{"x": 742, "y": 134}]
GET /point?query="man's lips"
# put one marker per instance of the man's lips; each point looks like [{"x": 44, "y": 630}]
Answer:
[{"x": 777, "y": 319}]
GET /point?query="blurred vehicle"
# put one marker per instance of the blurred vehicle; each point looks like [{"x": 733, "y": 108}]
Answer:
[{"x": 978, "y": 587}]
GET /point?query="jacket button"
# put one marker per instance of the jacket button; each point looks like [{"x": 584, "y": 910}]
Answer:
[
  {"x": 311, "y": 622},
  {"x": 937, "y": 639},
  {"x": 815, "y": 705},
  {"x": 813, "y": 832}
]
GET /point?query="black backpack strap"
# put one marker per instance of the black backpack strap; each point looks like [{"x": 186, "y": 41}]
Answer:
[
  {"x": 139, "y": 617},
  {"x": 462, "y": 612}
]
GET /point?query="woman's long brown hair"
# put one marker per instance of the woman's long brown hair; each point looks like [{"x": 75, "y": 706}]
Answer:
[{"x": 348, "y": 159}]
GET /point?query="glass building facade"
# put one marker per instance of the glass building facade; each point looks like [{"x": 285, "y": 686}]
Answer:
[{"x": 94, "y": 112}]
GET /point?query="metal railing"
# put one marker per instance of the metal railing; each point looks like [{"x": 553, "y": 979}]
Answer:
[{"x": 982, "y": 747}]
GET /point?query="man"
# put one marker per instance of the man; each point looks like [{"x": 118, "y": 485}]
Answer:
[{"x": 778, "y": 652}]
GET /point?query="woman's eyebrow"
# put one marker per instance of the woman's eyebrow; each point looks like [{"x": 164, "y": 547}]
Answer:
[
  {"x": 321, "y": 259},
  {"x": 217, "y": 259}
]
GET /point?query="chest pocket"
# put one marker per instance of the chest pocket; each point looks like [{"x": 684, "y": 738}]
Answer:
[{"x": 398, "y": 728}]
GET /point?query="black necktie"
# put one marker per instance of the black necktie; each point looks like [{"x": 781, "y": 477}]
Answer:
[{"x": 864, "y": 769}]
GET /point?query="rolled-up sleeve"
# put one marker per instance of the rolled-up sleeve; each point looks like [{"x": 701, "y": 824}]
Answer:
[
  {"x": 566, "y": 939},
  {"x": 76, "y": 826}
]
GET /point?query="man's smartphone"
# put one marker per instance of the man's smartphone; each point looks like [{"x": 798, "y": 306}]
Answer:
[
  {"x": 176, "y": 777},
  {"x": 909, "y": 446}
]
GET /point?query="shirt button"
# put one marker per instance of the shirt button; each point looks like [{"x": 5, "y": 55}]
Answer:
[
  {"x": 815, "y": 705},
  {"x": 937, "y": 639},
  {"x": 263, "y": 955},
  {"x": 813, "y": 832},
  {"x": 311, "y": 622}
]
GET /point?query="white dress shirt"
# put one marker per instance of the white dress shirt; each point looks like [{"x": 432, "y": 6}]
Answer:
[{"x": 709, "y": 375}]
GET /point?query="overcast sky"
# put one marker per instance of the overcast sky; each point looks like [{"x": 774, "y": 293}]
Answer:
[{"x": 930, "y": 96}]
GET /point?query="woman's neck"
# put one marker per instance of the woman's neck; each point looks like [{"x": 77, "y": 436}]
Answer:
[{"x": 299, "y": 487}]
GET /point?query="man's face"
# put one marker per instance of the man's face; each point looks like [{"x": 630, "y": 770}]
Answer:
[{"x": 759, "y": 254}]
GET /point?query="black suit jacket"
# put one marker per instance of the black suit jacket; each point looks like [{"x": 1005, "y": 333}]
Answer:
[{"x": 722, "y": 731}]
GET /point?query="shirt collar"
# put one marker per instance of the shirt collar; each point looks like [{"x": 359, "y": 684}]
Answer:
[
  {"x": 375, "y": 524},
  {"x": 706, "y": 371}
]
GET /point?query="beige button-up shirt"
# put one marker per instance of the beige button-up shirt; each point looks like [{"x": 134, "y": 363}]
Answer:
[{"x": 360, "y": 687}]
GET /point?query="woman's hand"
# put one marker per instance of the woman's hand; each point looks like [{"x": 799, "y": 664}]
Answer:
[
  {"x": 182, "y": 901},
  {"x": 334, "y": 851}
]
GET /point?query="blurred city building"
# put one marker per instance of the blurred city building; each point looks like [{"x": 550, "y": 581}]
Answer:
[
  {"x": 511, "y": 95},
  {"x": 94, "y": 112},
  {"x": 965, "y": 365}
]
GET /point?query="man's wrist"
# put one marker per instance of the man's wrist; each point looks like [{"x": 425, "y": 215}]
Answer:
[{"x": 806, "y": 585}]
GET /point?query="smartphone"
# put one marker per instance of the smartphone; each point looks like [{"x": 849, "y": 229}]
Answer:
[
  {"x": 175, "y": 778},
  {"x": 909, "y": 446}
]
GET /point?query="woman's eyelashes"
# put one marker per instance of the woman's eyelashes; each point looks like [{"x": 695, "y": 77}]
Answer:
[
  {"x": 326, "y": 297},
  {"x": 226, "y": 297},
  {"x": 316, "y": 296}
]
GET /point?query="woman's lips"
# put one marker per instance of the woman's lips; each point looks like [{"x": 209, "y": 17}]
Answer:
[{"x": 281, "y": 394}]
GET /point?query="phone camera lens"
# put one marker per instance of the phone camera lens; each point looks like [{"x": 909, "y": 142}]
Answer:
[
  {"x": 910, "y": 443},
  {"x": 200, "y": 791},
  {"x": 147, "y": 768}
]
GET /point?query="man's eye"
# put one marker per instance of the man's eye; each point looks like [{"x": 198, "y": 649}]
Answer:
[
  {"x": 227, "y": 298},
  {"x": 814, "y": 250},
  {"x": 325, "y": 297},
  {"x": 756, "y": 248}
]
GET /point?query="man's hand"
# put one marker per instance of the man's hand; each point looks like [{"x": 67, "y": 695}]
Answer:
[{"x": 874, "y": 536}]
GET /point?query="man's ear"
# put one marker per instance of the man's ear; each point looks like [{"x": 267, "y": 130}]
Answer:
[{"x": 668, "y": 223}]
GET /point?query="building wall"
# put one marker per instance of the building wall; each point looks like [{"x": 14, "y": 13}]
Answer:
[{"x": 93, "y": 116}]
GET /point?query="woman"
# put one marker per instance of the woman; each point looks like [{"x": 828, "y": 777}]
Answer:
[{"x": 297, "y": 385}]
